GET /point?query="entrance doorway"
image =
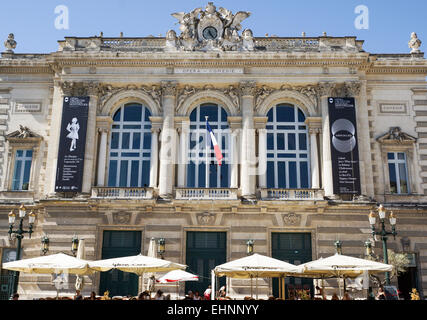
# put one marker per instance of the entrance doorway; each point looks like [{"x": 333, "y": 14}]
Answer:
[
  {"x": 407, "y": 281},
  {"x": 294, "y": 248},
  {"x": 118, "y": 244},
  {"x": 205, "y": 250}
]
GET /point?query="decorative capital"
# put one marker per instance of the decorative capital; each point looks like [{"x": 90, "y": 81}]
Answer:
[
  {"x": 353, "y": 88},
  {"x": 168, "y": 88},
  {"x": 325, "y": 88},
  {"x": 93, "y": 88},
  {"x": 248, "y": 88}
]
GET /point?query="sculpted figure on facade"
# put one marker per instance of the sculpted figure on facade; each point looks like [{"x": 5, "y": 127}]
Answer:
[
  {"x": 248, "y": 40},
  {"x": 262, "y": 93},
  {"x": 10, "y": 43},
  {"x": 414, "y": 43},
  {"x": 210, "y": 29},
  {"x": 232, "y": 92},
  {"x": 183, "y": 94}
]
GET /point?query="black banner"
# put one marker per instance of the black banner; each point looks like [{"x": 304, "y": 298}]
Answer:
[
  {"x": 344, "y": 147},
  {"x": 72, "y": 143}
]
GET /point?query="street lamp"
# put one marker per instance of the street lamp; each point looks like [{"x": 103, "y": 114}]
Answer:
[
  {"x": 249, "y": 247},
  {"x": 383, "y": 232},
  {"x": 368, "y": 247},
  {"x": 45, "y": 245},
  {"x": 74, "y": 245},
  {"x": 338, "y": 247},
  {"x": 161, "y": 247},
  {"x": 22, "y": 212}
]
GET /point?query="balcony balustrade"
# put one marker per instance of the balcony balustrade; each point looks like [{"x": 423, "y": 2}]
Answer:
[
  {"x": 122, "y": 192},
  {"x": 292, "y": 194},
  {"x": 206, "y": 193}
]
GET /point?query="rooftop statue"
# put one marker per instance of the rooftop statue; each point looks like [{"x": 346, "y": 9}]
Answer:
[
  {"x": 10, "y": 43},
  {"x": 210, "y": 29},
  {"x": 414, "y": 43}
]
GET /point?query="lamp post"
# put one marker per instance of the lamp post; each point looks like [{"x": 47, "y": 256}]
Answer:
[
  {"x": 45, "y": 245},
  {"x": 383, "y": 232},
  {"x": 22, "y": 212},
  {"x": 338, "y": 247},
  {"x": 74, "y": 245},
  {"x": 368, "y": 247},
  {"x": 161, "y": 247}
]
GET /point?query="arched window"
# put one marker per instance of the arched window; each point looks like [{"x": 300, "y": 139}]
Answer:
[
  {"x": 203, "y": 170},
  {"x": 287, "y": 148},
  {"x": 130, "y": 147}
]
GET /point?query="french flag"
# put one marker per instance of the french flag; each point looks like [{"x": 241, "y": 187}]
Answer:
[{"x": 218, "y": 152}]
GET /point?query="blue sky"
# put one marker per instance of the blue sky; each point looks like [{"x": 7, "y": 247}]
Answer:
[{"x": 390, "y": 22}]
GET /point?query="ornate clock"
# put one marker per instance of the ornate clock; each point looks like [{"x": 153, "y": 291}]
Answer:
[{"x": 210, "y": 33}]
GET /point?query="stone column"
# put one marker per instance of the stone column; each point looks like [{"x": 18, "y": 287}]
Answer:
[
  {"x": 89, "y": 158},
  {"x": 260, "y": 123},
  {"x": 168, "y": 140},
  {"x": 156, "y": 124},
  {"x": 103, "y": 123},
  {"x": 183, "y": 127},
  {"x": 248, "y": 163},
  {"x": 314, "y": 125},
  {"x": 235, "y": 125},
  {"x": 102, "y": 157},
  {"x": 325, "y": 89}
]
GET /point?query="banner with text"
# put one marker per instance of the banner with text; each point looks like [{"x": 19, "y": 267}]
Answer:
[
  {"x": 72, "y": 143},
  {"x": 344, "y": 147}
]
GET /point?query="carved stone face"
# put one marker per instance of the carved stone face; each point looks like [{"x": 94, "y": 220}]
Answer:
[
  {"x": 247, "y": 34},
  {"x": 171, "y": 35}
]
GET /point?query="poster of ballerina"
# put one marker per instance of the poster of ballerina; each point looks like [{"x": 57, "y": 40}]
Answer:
[{"x": 72, "y": 142}]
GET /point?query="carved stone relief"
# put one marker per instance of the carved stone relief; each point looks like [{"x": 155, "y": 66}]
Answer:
[
  {"x": 122, "y": 217},
  {"x": 206, "y": 218},
  {"x": 210, "y": 29},
  {"x": 291, "y": 219}
]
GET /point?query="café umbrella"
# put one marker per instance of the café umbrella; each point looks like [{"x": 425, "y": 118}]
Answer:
[
  {"x": 55, "y": 263},
  {"x": 80, "y": 255},
  {"x": 254, "y": 266},
  {"x": 176, "y": 276},
  {"x": 138, "y": 264},
  {"x": 342, "y": 266},
  {"x": 149, "y": 277}
]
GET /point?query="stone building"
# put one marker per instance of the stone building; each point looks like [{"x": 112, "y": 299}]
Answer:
[{"x": 149, "y": 170}]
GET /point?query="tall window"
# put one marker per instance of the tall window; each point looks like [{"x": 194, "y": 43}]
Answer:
[
  {"x": 398, "y": 172},
  {"x": 130, "y": 147},
  {"x": 22, "y": 169},
  {"x": 203, "y": 170},
  {"x": 287, "y": 148}
]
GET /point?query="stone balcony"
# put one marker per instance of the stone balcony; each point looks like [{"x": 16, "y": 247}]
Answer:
[
  {"x": 292, "y": 194},
  {"x": 206, "y": 193},
  {"x": 121, "y": 193}
]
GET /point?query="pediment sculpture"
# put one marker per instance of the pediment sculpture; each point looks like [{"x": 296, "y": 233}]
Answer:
[
  {"x": 22, "y": 133},
  {"x": 210, "y": 30},
  {"x": 396, "y": 135}
]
